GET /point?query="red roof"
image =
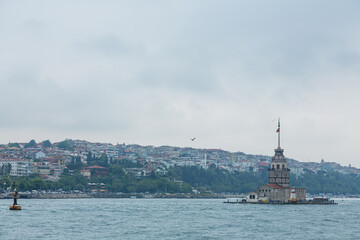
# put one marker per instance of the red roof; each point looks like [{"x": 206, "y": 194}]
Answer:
[
  {"x": 96, "y": 167},
  {"x": 264, "y": 164}
]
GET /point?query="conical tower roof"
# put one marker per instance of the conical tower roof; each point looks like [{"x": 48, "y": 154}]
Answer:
[{"x": 279, "y": 156}]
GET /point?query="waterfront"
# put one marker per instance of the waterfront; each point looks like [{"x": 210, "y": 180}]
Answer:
[{"x": 176, "y": 219}]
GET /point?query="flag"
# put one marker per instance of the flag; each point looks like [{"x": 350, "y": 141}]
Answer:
[{"x": 278, "y": 130}]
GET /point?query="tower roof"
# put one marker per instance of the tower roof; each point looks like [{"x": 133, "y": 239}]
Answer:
[{"x": 279, "y": 156}]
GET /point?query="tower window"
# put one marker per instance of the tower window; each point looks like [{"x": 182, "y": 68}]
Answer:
[
  {"x": 277, "y": 166},
  {"x": 283, "y": 166}
]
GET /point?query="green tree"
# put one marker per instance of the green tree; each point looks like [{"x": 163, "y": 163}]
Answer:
[
  {"x": 117, "y": 186},
  {"x": 6, "y": 181},
  {"x": 72, "y": 182},
  {"x": 80, "y": 187},
  {"x": 328, "y": 182},
  {"x": 15, "y": 145},
  {"x": 89, "y": 158},
  {"x": 219, "y": 180},
  {"x": 46, "y": 144},
  {"x": 23, "y": 185},
  {"x": 8, "y": 169},
  {"x": 66, "y": 145},
  {"x": 116, "y": 170},
  {"x": 5, "y": 169},
  {"x": 38, "y": 183},
  {"x": 75, "y": 163},
  {"x": 30, "y": 144}
]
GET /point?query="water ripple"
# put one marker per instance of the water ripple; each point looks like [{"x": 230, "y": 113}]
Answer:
[{"x": 176, "y": 219}]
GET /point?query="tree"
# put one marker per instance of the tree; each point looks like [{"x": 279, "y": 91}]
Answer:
[
  {"x": 75, "y": 163},
  {"x": 38, "y": 183},
  {"x": 6, "y": 181},
  {"x": 30, "y": 144},
  {"x": 89, "y": 158},
  {"x": 22, "y": 185},
  {"x": 14, "y": 145},
  {"x": 116, "y": 170},
  {"x": 117, "y": 186},
  {"x": 103, "y": 161},
  {"x": 46, "y": 144},
  {"x": 79, "y": 187},
  {"x": 66, "y": 145},
  {"x": 8, "y": 169},
  {"x": 216, "y": 180}
]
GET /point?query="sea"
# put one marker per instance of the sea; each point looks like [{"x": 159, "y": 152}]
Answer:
[{"x": 176, "y": 219}]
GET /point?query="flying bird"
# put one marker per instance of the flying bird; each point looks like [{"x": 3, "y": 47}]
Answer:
[{"x": 192, "y": 139}]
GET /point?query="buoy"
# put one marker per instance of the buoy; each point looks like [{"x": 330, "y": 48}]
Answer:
[
  {"x": 15, "y": 206},
  {"x": 293, "y": 196}
]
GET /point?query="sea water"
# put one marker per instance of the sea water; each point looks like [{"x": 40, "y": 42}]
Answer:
[{"x": 176, "y": 219}]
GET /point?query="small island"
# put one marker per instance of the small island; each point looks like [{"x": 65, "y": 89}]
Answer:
[{"x": 277, "y": 191}]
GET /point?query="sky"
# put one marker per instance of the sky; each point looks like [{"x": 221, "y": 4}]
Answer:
[{"x": 162, "y": 72}]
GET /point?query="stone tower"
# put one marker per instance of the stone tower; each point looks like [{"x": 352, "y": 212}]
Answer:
[{"x": 278, "y": 171}]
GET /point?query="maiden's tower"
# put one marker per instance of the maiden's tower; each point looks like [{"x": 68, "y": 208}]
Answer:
[{"x": 278, "y": 190}]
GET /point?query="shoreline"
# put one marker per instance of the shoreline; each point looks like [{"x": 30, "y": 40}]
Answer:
[
  {"x": 139, "y": 196},
  {"x": 236, "y": 198},
  {"x": 113, "y": 195}
]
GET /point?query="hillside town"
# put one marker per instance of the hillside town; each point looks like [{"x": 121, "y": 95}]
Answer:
[{"x": 49, "y": 160}]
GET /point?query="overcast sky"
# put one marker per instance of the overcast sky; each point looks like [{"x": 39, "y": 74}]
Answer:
[{"x": 160, "y": 72}]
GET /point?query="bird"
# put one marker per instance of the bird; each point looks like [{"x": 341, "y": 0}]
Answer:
[{"x": 192, "y": 139}]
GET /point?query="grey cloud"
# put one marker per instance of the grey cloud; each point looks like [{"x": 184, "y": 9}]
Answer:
[
  {"x": 156, "y": 72},
  {"x": 108, "y": 45}
]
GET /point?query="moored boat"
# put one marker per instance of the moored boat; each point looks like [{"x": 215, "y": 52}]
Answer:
[{"x": 322, "y": 200}]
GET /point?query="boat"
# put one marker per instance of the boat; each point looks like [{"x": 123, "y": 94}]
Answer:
[{"x": 321, "y": 200}]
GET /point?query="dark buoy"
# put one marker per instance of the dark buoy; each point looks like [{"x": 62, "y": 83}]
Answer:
[{"x": 15, "y": 206}]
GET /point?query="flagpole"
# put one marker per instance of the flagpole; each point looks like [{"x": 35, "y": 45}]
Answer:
[{"x": 279, "y": 133}]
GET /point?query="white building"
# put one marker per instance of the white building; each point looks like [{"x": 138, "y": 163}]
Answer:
[
  {"x": 40, "y": 155},
  {"x": 19, "y": 167},
  {"x": 297, "y": 171}
]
